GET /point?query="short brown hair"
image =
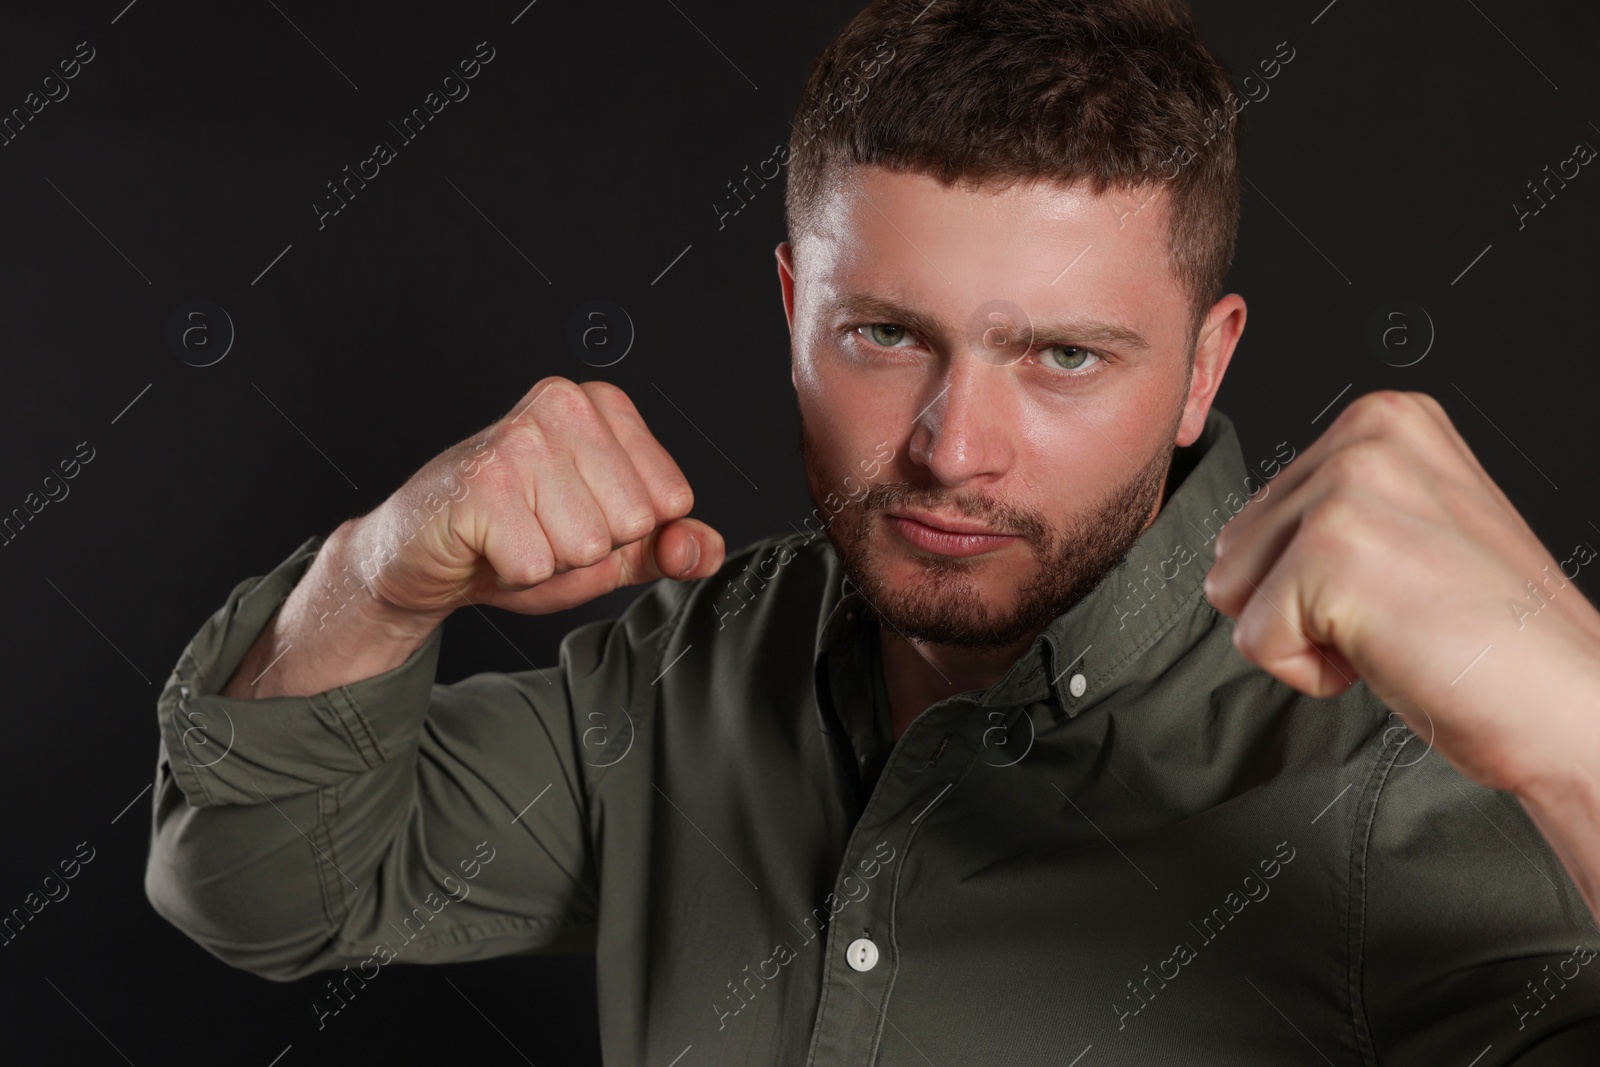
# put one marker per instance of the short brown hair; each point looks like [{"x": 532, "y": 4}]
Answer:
[{"x": 1116, "y": 93}]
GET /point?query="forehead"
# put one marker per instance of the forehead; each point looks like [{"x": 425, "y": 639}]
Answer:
[{"x": 1039, "y": 244}]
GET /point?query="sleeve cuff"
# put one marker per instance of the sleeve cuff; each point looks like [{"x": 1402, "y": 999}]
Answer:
[{"x": 227, "y": 750}]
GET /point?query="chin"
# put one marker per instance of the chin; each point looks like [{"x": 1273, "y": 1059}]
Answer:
[{"x": 914, "y": 584}]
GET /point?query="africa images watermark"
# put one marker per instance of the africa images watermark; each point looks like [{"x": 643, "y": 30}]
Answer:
[
  {"x": 1522, "y": 610},
  {"x": 1255, "y": 889},
  {"x": 766, "y": 567},
  {"x": 1532, "y": 603},
  {"x": 1219, "y": 120},
  {"x": 607, "y": 740},
  {"x": 455, "y": 89},
  {"x": 1582, "y": 154},
  {"x": 854, "y": 90},
  {"x": 810, "y": 929},
  {"x": 33, "y": 903},
  {"x": 384, "y": 952},
  {"x": 455, "y": 490},
  {"x": 1578, "y": 959},
  {"x": 1139, "y": 595},
  {"x": 12, "y": 125},
  {"x": 55, "y": 489},
  {"x": 1542, "y": 190}
]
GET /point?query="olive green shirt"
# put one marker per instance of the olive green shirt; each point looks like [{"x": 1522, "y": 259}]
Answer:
[{"x": 1135, "y": 849}]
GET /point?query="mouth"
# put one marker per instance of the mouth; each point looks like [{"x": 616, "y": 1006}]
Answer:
[{"x": 945, "y": 535}]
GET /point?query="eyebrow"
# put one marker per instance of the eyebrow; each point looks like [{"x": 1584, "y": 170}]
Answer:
[{"x": 1067, "y": 331}]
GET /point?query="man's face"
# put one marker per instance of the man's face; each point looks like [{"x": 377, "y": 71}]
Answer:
[{"x": 1025, "y": 355}]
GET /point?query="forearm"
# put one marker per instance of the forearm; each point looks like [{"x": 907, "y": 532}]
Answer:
[
  {"x": 1558, "y": 777},
  {"x": 1568, "y": 815},
  {"x": 330, "y": 631}
]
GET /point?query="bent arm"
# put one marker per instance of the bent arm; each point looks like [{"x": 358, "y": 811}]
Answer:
[{"x": 300, "y": 831}]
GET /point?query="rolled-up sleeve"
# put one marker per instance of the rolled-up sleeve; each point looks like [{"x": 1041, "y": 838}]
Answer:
[{"x": 442, "y": 823}]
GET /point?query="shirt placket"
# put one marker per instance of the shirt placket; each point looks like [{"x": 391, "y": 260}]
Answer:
[{"x": 922, "y": 772}]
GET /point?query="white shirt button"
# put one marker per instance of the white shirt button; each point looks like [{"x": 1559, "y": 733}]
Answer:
[
  {"x": 862, "y": 954},
  {"x": 1077, "y": 684}
]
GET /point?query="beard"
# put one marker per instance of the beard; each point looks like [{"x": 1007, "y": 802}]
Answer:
[{"x": 943, "y": 603}]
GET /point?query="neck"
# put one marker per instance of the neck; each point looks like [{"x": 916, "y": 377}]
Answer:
[{"x": 919, "y": 674}]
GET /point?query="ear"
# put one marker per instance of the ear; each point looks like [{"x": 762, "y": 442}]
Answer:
[
  {"x": 785, "y": 256},
  {"x": 1219, "y": 335}
]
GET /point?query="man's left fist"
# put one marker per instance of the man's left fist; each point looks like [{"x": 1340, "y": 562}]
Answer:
[{"x": 1387, "y": 554}]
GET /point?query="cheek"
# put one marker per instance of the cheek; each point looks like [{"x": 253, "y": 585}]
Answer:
[
  {"x": 832, "y": 389},
  {"x": 845, "y": 423},
  {"x": 1066, "y": 469},
  {"x": 1134, "y": 417},
  {"x": 1073, "y": 454},
  {"x": 848, "y": 408}
]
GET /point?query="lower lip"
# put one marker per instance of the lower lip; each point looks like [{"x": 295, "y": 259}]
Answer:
[{"x": 943, "y": 542}]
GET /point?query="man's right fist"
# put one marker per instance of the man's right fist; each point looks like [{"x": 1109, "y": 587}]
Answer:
[{"x": 566, "y": 498}]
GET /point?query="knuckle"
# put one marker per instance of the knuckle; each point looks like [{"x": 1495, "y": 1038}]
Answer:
[
  {"x": 590, "y": 546},
  {"x": 1243, "y": 639},
  {"x": 1381, "y": 410},
  {"x": 565, "y": 399},
  {"x": 532, "y": 569},
  {"x": 1433, "y": 419},
  {"x": 1388, "y": 401},
  {"x": 678, "y": 496},
  {"x": 1365, "y": 463},
  {"x": 523, "y": 441},
  {"x": 1427, "y": 403},
  {"x": 606, "y": 393},
  {"x": 635, "y": 522},
  {"x": 1331, "y": 524},
  {"x": 556, "y": 401},
  {"x": 1221, "y": 542},
  {"x": 549, "y": 383}
]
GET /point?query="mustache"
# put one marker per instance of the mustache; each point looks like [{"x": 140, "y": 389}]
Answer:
[{"x": 1029, "y": 525}]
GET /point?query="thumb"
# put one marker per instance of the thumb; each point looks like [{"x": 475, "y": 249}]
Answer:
[{"x": 683, "y": 549}]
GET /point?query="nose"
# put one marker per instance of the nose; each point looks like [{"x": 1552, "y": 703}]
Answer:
[{"x": 963, "y": 433}]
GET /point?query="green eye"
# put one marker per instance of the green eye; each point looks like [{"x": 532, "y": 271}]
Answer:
[
  {"x": 1069, "y": 357},
  {"x": 885, "y": 333}
]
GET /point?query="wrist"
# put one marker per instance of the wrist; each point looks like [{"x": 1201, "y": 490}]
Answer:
[{"x": 344, "y": 567}]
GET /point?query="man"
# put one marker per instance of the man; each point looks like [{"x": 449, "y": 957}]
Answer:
[{"x": 969, "y": 768}]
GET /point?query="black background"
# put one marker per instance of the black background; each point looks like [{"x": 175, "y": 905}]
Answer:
[{"x": 1384, "y": 162}]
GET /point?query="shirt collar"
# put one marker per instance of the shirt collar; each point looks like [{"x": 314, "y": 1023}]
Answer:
[{"x": 1158, "y": 582}]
